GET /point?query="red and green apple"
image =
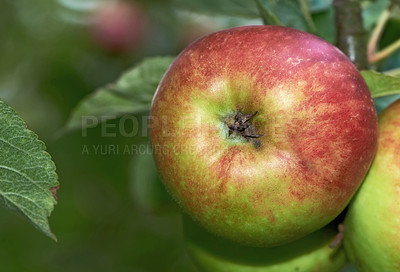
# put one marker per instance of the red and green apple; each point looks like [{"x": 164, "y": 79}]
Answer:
[{"x": 262, "y": 134}]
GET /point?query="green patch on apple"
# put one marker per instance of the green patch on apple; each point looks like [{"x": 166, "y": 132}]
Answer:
[{"x": 372, "y": 224}]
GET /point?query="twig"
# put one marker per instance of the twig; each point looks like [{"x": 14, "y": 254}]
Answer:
[
  {"x": 351, "y": 35},
  {"x": 374, "y": 56}
]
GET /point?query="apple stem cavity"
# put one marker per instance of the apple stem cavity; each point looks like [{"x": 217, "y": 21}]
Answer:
[{"x": 240, "y": 125}]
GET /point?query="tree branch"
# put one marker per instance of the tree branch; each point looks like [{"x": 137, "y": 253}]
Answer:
[
  {"x": 374, "y": 56},
  {"x": 351, "y": 35}
]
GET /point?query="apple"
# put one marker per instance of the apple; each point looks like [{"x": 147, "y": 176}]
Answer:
[
  {"x": 262, "y": 134},
  {"x": 118, "y": 26},
  {"x": 372, "y": 225},
  {"x": 308, "y": 254}
]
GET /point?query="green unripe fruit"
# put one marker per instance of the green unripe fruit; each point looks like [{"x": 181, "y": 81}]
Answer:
[
  {"x": 372, "y": 225},
  {"x": 309, "y": 254}
]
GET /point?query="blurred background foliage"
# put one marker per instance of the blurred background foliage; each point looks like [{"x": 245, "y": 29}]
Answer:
[{"x": 113, "y": 214}]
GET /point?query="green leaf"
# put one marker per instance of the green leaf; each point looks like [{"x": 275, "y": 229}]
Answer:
[
  {"x": 305, "y": 10},
  {"x": 268, "y": 17},
  {"x": 380, "y": 84},
  {"x": 237, "y": 8},
  {"x": 291, "y": 13},
  {"x": 394, "y": 72},
  {"x": 131, "y": 94},
  {"x": 28, "y": 180},
  {"x": 371, "y": 11},
  {"x": 147, "y": 189},
  {"x": 325, "y": 24},
  {"x": 319, "y": 5}
]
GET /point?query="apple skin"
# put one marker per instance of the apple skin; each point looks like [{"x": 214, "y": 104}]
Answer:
[
  {"x": 308, "y": 254},
  {"x": 313, "y": 108},
  {"x": 372, "y": 225}
]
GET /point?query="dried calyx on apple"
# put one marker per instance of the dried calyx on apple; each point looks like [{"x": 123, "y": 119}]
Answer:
[{"x": 239, "y": 125}]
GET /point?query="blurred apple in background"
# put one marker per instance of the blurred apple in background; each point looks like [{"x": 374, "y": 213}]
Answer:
[{"x": 119, "y": 26}]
